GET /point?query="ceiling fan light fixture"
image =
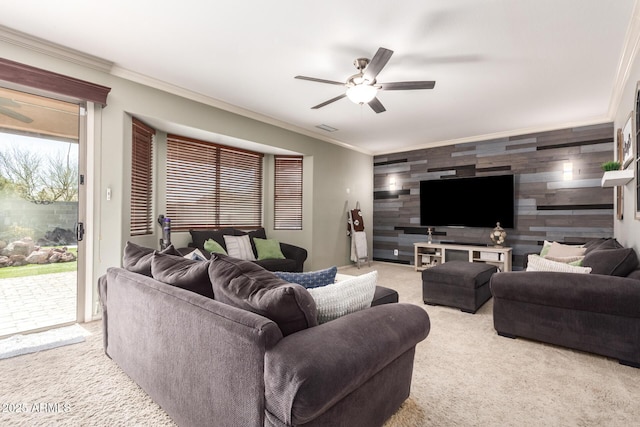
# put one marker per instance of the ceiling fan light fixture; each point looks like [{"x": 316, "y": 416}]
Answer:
[{"x": 361, "y": 94}]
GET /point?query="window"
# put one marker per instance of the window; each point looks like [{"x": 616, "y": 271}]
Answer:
[
  {"x": 141, "y": 179},
  {"x": 212, "y": 186},
  {"x": 288, "y": 193}
]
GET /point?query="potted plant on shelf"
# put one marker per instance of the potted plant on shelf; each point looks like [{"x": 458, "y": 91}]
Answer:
[{"x": 610, "y": 166}]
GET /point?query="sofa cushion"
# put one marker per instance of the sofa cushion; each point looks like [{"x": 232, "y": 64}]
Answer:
[
  {"x": 239, "y": 247},
  {"x": 344, "y": 297},
  {"x": 286, "y": 264},
  {"x": 538, "y": 263},
  {"x": 310, "y": 279},
  {"x": 603, "y": 243},
  {"x": 612, "y": 262},
  {"x": 183, "y": 273},
  {"x": 137, "y": 258},
  {"x": 248, "y": 286},
  {"x": 268, "y": 248}
]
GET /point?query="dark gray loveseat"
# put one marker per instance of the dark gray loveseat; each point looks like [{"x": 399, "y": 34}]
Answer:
[
  {"x": 597, "y": 312},
  {"x": 208, "y": 362},
  {"x": 295, "y": 256}
]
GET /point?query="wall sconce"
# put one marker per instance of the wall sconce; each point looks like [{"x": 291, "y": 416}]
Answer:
[
  {"x": 392, "y": 184},
  {"x": 567, "y": 171}
]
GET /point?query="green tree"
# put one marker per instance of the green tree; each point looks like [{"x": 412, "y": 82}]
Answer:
[{"x": 39, "y": 181}]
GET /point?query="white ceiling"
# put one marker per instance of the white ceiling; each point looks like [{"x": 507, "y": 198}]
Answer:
[{"x": 502, "y": 67}]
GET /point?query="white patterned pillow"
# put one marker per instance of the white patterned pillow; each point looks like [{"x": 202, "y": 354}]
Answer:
[
  {"x": 239, "y": 247},
  {"x": 538, "y": 263},
  {"x": 344, "y": 297}
]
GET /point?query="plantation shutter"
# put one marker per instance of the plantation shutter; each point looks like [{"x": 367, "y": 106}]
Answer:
[
  {"x": 142, "y": 179},
  {"x": 288, "y": 193},
  {"x": 212, "y": 186}
]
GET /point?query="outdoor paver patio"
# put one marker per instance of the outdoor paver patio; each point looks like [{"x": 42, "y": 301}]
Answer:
[{"x": 33, "y": 302}]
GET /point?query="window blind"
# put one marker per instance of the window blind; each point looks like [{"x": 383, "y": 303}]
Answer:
[
  {"x": 142, "y": 179},
  {"x": 212, "y": 186},
  {"x": 288, "y": 193}
]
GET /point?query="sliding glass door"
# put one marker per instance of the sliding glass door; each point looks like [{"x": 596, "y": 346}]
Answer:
[{"x": 40, "y": 228}]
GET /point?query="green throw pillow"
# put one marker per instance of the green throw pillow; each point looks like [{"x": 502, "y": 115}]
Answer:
[
  {"x": 268, "y": 249},
  {"x": 214, "y": 247}
]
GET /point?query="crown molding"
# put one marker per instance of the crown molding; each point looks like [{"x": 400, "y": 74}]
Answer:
[
  {"x": 45, "y": 47},
  {"x": 500, "y": 135},
  {"x": 627, "y": 58},
  {"x": 213, "y": 102}
]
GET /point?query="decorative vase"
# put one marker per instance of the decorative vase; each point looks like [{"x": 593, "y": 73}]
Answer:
[
  {"x": 429, "y": 238},
  {"x": 498, "y": 236}
]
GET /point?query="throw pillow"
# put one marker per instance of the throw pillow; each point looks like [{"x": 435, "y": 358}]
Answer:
[
  {"x": 546, "y": 245},
  {"x": 571, "y": 260},
  {"x": 213, "y": 247},
  {"x": 268, "y": 249},
  {"x": 196, "y": 255},
  {"x": 310, "y": 279},
  {"x": 558, "y": 250},
  {"x": 612, "y": 262},
  {"x": 239, "y": 247},
  {"x": 137, "y": 258},
  {"x": 248, "y": 286},
  {"x": 344, "y": 297},
  {"x": 183, "y": 273},
  {"x": 538, "y": 263},
  {"x": 198, "y": 237}
]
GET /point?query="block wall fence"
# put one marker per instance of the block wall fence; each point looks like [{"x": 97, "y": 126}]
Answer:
[
  {"x": 547, "y": 207},
  {"x": 38, "y": 218}
]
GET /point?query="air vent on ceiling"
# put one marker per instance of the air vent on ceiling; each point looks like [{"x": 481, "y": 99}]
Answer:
[{"x": 327, "y": 128}]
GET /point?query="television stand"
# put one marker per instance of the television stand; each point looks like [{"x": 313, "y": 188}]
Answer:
[{"x": 431, "y": 254}]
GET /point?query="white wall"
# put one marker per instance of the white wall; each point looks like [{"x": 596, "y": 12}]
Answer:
[
  {"x": 627, "y": 230},
  {"x": 328, "y": 169}
]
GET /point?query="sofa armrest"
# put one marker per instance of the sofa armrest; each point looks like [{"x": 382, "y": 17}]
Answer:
[
  {"x": 587, "y": 292},
  {"x": 309, "y": 371},
  {"x": 296, "y": 253}
]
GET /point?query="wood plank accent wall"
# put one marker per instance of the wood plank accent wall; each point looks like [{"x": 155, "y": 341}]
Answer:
[{"x": 547, "y": 206}]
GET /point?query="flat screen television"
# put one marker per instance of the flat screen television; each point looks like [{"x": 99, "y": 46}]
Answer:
[{"x": 479, "y": 201}]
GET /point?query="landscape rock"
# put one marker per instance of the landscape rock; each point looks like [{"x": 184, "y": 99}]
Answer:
[
  {"x": 4, "y": 261},
  {"x": 18, "y": 260},
  {"x": 23, "y": 246},
  {"x": 38, "y": 257},
  {"x": 58, "y": 236}
]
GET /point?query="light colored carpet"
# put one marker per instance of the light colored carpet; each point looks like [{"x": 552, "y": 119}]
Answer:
[{"x": 464, "y": 375}]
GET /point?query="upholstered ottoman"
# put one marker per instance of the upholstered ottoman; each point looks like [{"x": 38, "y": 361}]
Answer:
[{"x": 460, "y": 284}]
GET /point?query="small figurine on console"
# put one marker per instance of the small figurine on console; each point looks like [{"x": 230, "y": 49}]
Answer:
[{"x": 498, "y": 236}]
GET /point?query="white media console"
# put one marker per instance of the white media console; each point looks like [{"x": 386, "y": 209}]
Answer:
[{"x": 430, "y": 254}]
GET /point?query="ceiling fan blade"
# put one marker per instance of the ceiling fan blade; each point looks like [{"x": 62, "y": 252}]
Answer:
[
  {"x": 14, "y": 115},
  {"x": 313, "y": 79},
  {"x": 407, "y": 85},
  {"x": 9, "y": 102},
  {"x": 377, "y": 106},
  {"x": 329, "y": 101},
  {"x": 378, "y": 62}
]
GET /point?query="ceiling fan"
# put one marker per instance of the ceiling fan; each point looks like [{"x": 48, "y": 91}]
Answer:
[
  {"x": 6, "y": 102},
  {"x": 362, "y": 87}
]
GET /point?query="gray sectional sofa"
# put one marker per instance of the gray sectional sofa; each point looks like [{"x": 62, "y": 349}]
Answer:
[
  {"x": 254, "y": 354},
  {"x": 597, "y": 312}
]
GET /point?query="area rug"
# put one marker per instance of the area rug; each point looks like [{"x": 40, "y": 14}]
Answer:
[
  {"x": 39, "y": 341},
  {"x": 464, "y": 375}
]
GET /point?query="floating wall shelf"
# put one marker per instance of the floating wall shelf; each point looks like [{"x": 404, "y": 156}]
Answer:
[{"x": 613, "y": 178}]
